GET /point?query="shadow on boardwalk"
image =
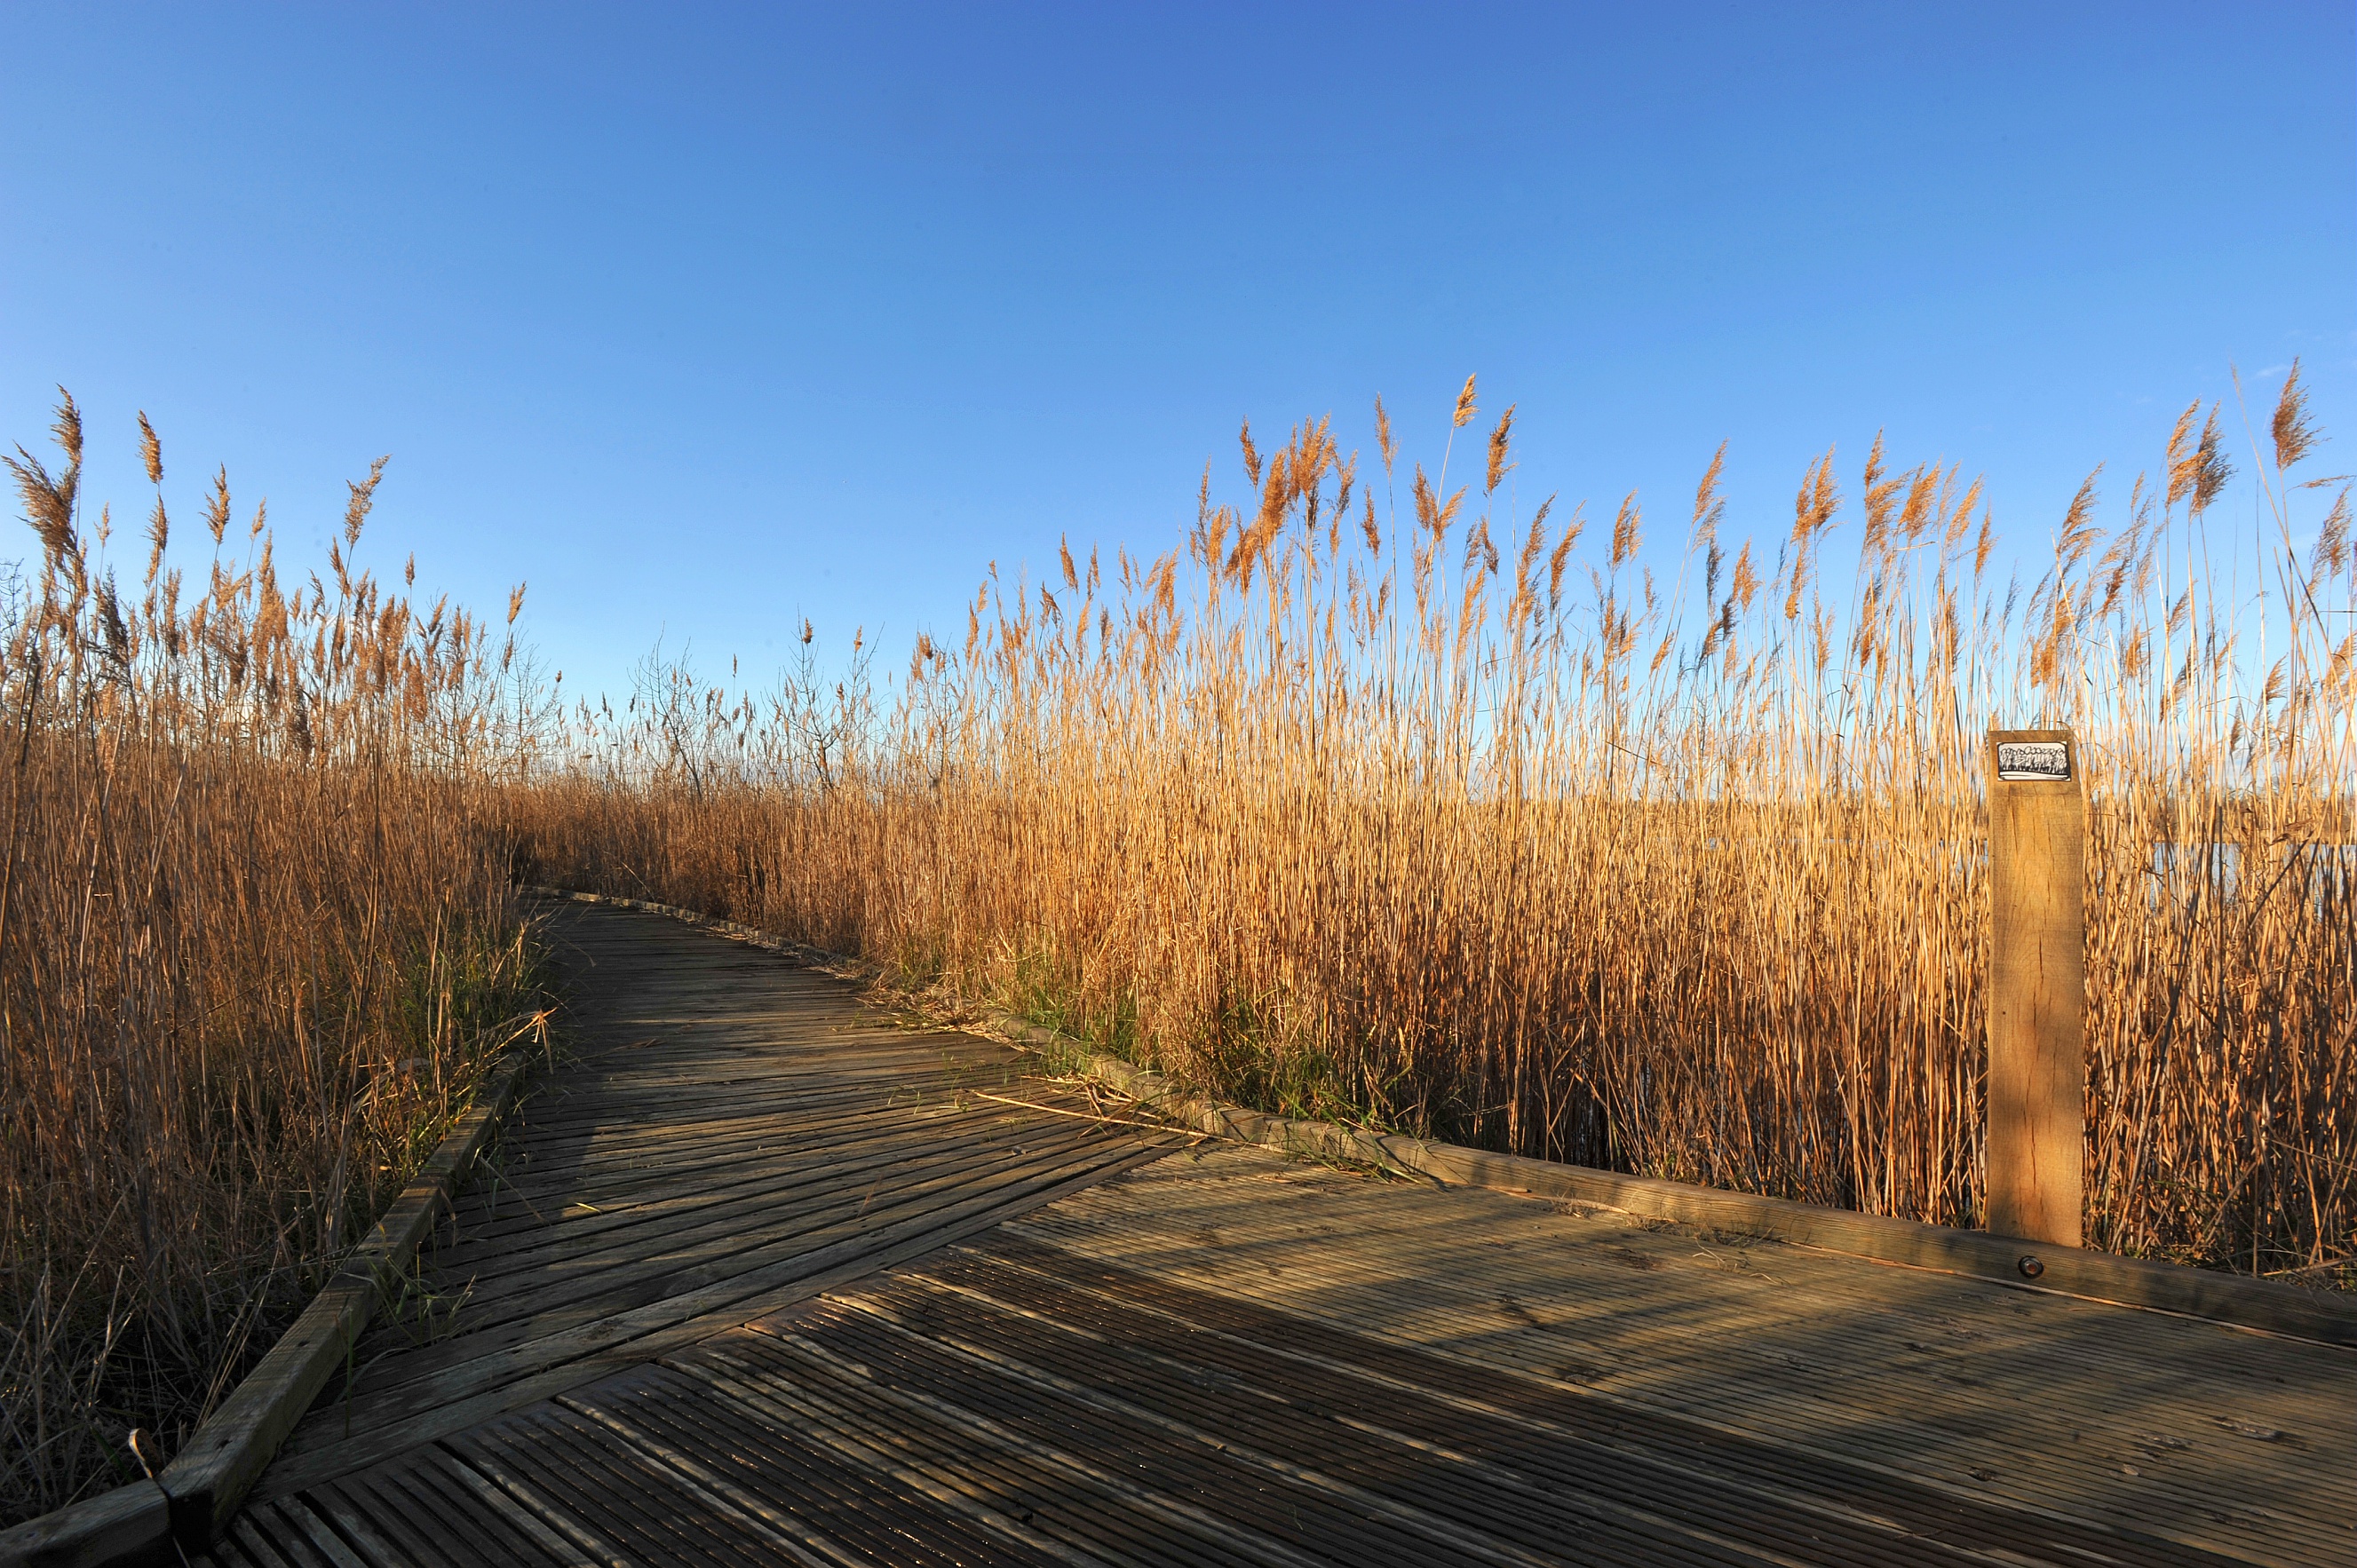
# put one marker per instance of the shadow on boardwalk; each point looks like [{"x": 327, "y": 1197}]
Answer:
[{"x": 765, "y": 1280}]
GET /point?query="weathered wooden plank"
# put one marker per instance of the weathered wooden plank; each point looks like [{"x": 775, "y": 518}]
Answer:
[
  {"x": 2028, "y": 1345},
  {"x": 385, "y": 1538},
  {"x": 1459, "y": 1501},
  {"x": 323, "y": 1539},
  {"x": 1655, "y": 1275},
  {"x": 454, "y": 1503},
  {"x": 712, "y": 1273},
  {"x": 782, "y": 1530},
  {"x": 803, "y": 1488},
  {"x": 129, "y": 1524},
  {"x": 670, "y": 1214},
  {"x": 965, "y": 1465},
  {"x": 247, "y": 1544},
  {"x": 717, "y": 1166},
  {"x": 2046, "y": 1423},
  {"x": 496, "y": 1487},
  {"x": 287, "y": 1526},
  {"x": 2156, "y": 1429},
  {"x": 540, "y": 1370},
  {"x": 1256, "y": 1501},
  {"x": 632, "y": 1121},
  {"x": 856, "y": 1191},
  {"x": 1826, "y": 1513},
  {"x": 222, "y": 1460},
  {"x": 629, "y": 1497},
  {"x": 763, "y": 1060},
  {"x": 1213, "y": 1360},
  {"x": 2327, "y": 1316}
]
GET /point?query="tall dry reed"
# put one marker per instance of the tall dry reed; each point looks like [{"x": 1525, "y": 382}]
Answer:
[
  {"x": 1460, "y": 821},
  {"x": 255, "y": 946}
]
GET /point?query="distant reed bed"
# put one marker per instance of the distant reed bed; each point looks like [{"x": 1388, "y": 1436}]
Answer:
[
  {"x": 255, "y": 944},
  {"x": 1386, "y": 800}
]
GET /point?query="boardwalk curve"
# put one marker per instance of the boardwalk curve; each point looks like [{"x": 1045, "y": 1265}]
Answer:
[{"x": 763, "y": 1279}]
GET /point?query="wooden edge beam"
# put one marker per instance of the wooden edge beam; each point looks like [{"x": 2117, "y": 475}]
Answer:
[
  {"x": 817, "y": 957},
  {"x": 2328, "y": 1318},
  {"x": 128, "y": 1525},
  {"x": 2325, "y": 1316},
  {"x": 230, "y": 1449},
  {"x": 201, "y": 1487}
]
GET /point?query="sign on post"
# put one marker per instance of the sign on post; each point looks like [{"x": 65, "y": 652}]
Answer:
[{"x": 2036, "y": 1041}]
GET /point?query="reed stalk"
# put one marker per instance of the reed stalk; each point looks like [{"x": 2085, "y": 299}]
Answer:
[
  {"x": 1443, "y": 823},
  {"x": 256, "y": 941}
]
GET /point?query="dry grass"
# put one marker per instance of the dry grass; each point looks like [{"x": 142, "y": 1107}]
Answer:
[
  {"x": 1457, "y": 822},
  {"x": 1430, "y": 817},
  {"x": 254, "y": 948}
]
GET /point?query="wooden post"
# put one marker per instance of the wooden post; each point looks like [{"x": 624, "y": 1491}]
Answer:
[{"x": 2036, "y": 1041}]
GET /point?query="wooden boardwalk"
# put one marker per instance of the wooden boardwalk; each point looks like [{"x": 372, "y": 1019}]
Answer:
[{"x": 764, "y": 1280}]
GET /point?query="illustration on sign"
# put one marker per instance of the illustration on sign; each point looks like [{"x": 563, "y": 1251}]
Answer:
[{"x": 2045, "y": 759}]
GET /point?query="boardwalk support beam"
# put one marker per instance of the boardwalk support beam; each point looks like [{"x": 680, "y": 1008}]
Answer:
[{"x": 141, "y": 1523}]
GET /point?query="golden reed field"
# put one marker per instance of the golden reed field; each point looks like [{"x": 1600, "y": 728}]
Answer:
[
  {"x": 1378, "y": 800},
  {"x": 256, "y": 940}
]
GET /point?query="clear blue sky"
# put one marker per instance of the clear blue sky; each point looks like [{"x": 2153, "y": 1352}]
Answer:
[{"x": 701, "y": 319}]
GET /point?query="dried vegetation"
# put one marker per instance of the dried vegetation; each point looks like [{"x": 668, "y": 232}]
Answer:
[
  {"x": 254, "y": 948},
  {"x": 1379, "y": 799},
  {"x": 1457, "y": 818}
]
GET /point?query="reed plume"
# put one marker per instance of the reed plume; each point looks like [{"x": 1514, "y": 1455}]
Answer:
[
  {"x": 256, "y": 941},
  {"x": 1683, "y": 878}
]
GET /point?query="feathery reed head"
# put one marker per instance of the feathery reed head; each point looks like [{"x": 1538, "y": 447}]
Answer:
[
  {"x": 363, "y": 497},
  {"x": 2295, "y": 436},
  {"x": 50, "y": 499},
  {"x": 2209, "y": 468},
  {"x": 1710, "y": 506},
  {"x": 1499, "y": 440},
  {"x": 67, "y": 429},
  {"x": 151, "y": 450},
  {"x": 49, "y": 505},
  {"x": 2078, "y": 533},
  {"x": 217, "y": 507},
  {"x": 159, "y": 531},
  {"x": 2330, "y": 553},
  {"x": 1626, "y": 530},
  {"x": 2182, "y": 457},
  {"x": 1465, "y": 409},
  {"x": 1560, "y": 557}
]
